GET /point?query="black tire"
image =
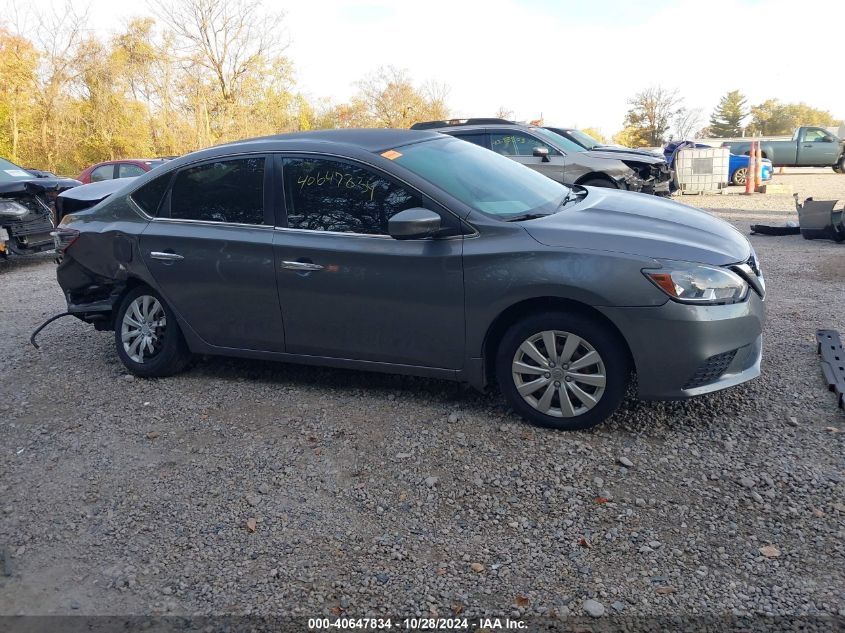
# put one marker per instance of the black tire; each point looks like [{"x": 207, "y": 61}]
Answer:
[
  {"x": 598, "y": 182},
  {"x": 600, "y": 338},
  {"x": 170, "y": 353},
  {"x": 739, "y": 176},
  {"x": 839, "y": 167}
]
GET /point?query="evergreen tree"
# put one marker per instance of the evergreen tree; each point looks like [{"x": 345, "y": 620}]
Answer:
[{"x": 727, "y": 119}]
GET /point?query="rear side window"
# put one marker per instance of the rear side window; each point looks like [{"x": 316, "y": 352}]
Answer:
[
  {"x": 128, "y": 170},
  {"x": 149, "y": 196},
  {"x": 229, "y": 190},
  {"x": 477, "y": 139}
]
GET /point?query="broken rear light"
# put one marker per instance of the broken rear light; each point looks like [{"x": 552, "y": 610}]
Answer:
[{"x": 63, "y": 238}]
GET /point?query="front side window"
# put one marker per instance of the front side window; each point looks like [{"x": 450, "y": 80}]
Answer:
[
  {"x": 128, "y": 170},
  {"x": 230, "y": 190},
  {"x": 511, "y": 143},
  {"x": 816, "y": 136},
  {"x": 103, "y": 172},
  {"x": 496, "y": 186},
  {"x": 329, "y": 195}
]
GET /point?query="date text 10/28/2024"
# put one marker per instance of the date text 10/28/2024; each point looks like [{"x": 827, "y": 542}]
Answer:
[{"x": 417, "y": 624}]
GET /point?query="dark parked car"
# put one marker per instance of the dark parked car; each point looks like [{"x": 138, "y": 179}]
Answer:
[
  {"x": 416, "y": 253},
  {"x": 126, "y": 168},
  {"x": 27, "y": 208},
  {"x": 559, "y": 158}
]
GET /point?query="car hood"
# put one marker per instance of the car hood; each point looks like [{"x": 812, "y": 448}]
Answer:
[
  {"x": 626, "y": 154},
  {"x": 643, "y": 225},
  {"x": 38, "y": 185}
]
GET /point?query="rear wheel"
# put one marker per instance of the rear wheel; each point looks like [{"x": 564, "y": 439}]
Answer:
[
  {"x": 740, "y": 176},
  {"x": 839, "y": 167},
  {"x": 148, "y": 339},
  {"x": 562, "y": 370}
]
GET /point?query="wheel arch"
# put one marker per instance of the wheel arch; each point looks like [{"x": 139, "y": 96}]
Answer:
[
  {"x": 523, "y": 308},
  {"x": 597, "y": 175}
]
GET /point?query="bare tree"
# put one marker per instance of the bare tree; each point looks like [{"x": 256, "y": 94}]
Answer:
[
  {"x": 686, "y": 122},
  {"x": 229, "y": 38},
  {"x": 504, "y": 113},
  {"x": 651, "y": 114}
]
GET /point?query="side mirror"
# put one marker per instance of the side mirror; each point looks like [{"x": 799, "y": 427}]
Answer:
[
  {"x": 542, "y": 152},
  {"x": 413, "y": 224}
]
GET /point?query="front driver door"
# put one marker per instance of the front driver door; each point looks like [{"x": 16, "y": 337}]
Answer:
[
  {"x": 818, "y": 148},
  {"x": 347, "y": 289},
  {"x": 519, "y": 146},
  {"x": 210, "y": 249}
]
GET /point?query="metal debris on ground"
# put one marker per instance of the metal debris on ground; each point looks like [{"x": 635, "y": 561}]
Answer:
[
  {"x": 817, "y": 220},
  {"x": 833, "y": 363}
]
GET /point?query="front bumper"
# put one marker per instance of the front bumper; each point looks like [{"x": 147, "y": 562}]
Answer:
[{"x": 681, "y": 350}]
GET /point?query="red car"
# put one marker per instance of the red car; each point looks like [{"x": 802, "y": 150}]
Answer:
[{"x": 126, "y": 168}]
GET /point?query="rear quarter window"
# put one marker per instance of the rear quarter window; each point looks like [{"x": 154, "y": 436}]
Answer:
[{"x": 149, "y": 196}]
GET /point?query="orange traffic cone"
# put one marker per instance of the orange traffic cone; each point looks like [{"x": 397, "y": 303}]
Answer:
[
  {"x": 758, "y": 171},
  {"x": 749, "y": 172}
]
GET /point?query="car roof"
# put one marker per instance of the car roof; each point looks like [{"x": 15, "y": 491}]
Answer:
[{"x": 371, "y": 139}]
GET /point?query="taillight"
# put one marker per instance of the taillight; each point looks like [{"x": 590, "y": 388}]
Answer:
[{"x": 63, "y": 239}]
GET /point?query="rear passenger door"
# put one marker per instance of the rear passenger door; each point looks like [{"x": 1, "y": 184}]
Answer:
[
  {"x": 519, "y": 146},
  {"x": 210, "y": 249}
]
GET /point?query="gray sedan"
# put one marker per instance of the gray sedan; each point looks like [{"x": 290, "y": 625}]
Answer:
[{"x": 416, "y": 253}]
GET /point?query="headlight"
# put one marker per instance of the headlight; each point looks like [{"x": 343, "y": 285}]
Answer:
[
  {"x": 697, "y": 283},
  {"x": 12, "y": 210}
]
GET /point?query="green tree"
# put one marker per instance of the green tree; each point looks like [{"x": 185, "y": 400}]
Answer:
[
  {"x": 649, "y": 117},
  {"x": 594, "y": 132},
  {"x": 726, "y": 120},
  {"x": 773, "y": 118}
]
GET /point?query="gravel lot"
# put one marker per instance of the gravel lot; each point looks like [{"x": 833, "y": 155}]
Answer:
[{"x": 376, "y": 495}]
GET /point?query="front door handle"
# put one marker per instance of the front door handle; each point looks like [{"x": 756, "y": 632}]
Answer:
[
  {"x": 301, "y": 266},
  {"x": 166, "y": 257}
]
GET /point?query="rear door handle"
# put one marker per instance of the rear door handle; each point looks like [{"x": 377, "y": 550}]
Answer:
[
  {"x": 166, "y": 257},
  {"x": 306, "y": 266}
]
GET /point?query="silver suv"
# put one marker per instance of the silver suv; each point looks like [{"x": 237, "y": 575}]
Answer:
[{"x": 561, "y": 159}]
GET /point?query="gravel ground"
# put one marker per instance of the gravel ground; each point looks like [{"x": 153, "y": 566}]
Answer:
[{"x": 249, "y": 487}]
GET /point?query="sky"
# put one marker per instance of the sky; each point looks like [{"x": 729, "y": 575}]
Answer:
[{"x": 573, "y": 62}]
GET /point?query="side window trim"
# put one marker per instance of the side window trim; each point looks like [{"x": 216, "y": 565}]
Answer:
[
  {"x": 281, "y": 201},
  {"x": 165, "y": 210}
]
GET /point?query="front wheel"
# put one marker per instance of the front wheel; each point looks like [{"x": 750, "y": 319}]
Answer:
[
  {"x": 740, "y": 176},
  {"x": 562, "y": 371},
  {"x": 148, "y": 339},
  {"x": 839, "y": 167}
]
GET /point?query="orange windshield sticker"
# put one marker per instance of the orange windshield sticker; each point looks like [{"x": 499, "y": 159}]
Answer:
[{"x": 391, "y": 154}]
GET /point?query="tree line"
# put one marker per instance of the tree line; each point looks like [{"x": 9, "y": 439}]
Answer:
[
  {"x": 205, "y": 72},
  {"x": 658, "y": 114}
]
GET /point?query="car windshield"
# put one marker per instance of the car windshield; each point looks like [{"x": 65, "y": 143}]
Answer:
[
  {"x": 561, "y": 142},
  {"x": 9, "y": 172},
  {"x": 584, "y": 139},
  {"x": 484, "y": 180}
]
